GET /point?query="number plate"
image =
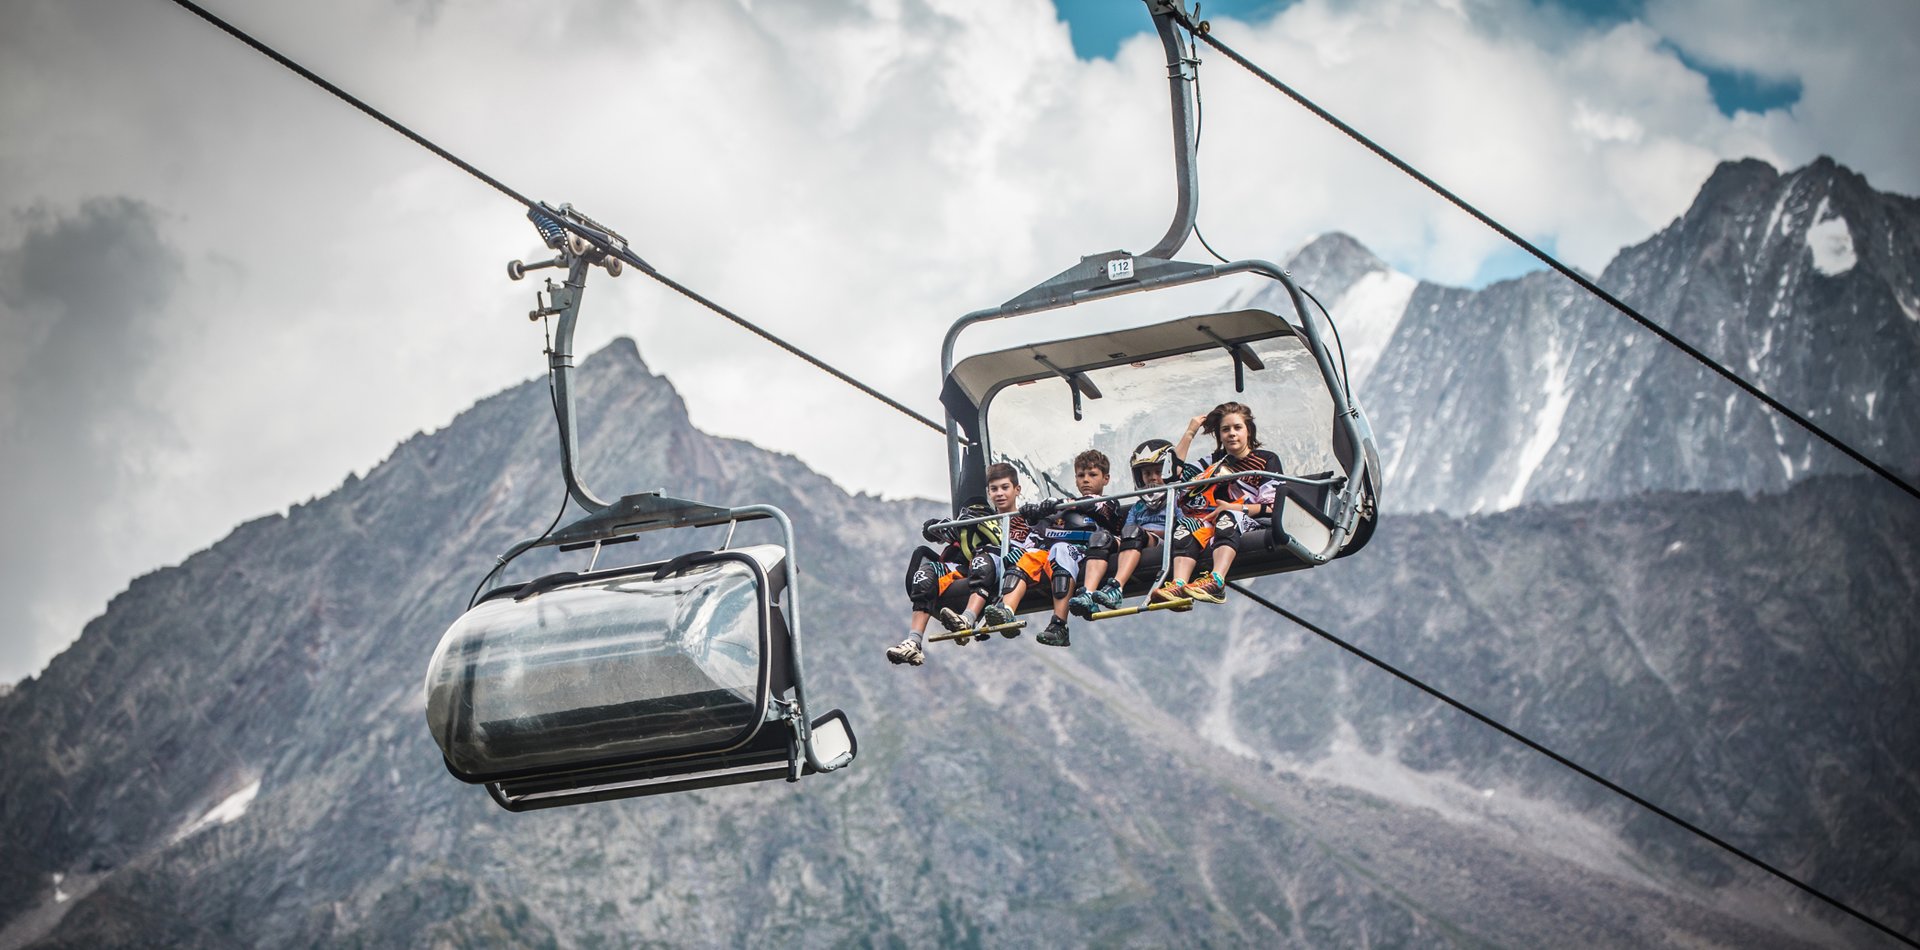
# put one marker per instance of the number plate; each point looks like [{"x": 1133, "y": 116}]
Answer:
[{"x": 1120, "y": 268}]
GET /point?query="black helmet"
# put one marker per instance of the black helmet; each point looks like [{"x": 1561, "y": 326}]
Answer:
[{"x": 1153, "y": 453}]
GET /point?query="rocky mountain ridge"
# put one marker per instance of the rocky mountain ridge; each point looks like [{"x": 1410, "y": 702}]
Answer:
[
  {"x": 1532, "y": 390},
  {"x": 234, "y": 753}
]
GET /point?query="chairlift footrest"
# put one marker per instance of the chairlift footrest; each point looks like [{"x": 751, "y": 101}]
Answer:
[
  {"x": 978, "y": 632},
  {"x": 1175, "y": 604}
]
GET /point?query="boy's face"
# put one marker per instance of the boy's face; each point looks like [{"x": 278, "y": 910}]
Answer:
[
  {"x": 1151, "y": 477},
  {"x": 1090, "y": 481},
  {"x": 1003, "y": 494}
]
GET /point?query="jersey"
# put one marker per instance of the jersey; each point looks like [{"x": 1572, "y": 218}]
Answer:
[{"x": 1259, "y": 490}]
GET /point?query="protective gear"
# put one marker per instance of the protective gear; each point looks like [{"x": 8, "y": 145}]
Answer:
[
  {"x": 975, "y": 537},
  {"x": 924, "y": 570},
  {"x": 1062, "y": 581},
  {"x": 934, "y": 535},
  {"x": 1132, "y": 538},
  {"x": 1100, "y": 544},
  {"x": 1037, "y": 511},
  {"x": 983, "y": 573},
  {"x": 1153, "y": 453}
]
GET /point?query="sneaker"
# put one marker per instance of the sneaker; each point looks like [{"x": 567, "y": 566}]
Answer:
[
  {"x": 1108, "y": 597},
  {"x": 1210, "y": 588},
  {"x": 1081, "y": 605},
  {"x": 907, "y": 651},
  {"x": 1055, "y": 635},
  {"x": 952, "y": 621},
  {"x": 995, "y": 615},
  {"x": 1174, "y": 592}
]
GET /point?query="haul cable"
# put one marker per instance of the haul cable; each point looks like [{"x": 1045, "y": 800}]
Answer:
[
  {"x": 588, "y": 234},
  {"x": 1202, "y": 31},
  {"x": 1611, "y": 786}
]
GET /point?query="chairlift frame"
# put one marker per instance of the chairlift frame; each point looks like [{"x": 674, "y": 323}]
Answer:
[
  {"x": 1116, "y": 273},
  {"x": 763, "y": 753}
]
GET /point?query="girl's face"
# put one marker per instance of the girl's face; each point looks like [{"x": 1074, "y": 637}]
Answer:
[{"x": 1233, "y": 434}]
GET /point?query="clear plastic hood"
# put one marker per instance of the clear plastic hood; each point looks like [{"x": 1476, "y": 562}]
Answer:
[{"x": 609, "y": 669}]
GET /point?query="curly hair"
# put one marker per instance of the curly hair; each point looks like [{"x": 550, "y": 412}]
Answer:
[{"x": 1094, "y": 459}]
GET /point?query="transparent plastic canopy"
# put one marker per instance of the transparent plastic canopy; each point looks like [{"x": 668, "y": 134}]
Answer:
[{"x": 605, "y": 670}]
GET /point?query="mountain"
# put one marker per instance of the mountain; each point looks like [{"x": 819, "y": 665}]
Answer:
[
  {"x": 234, "y": 753},
  {"x": 1807, "y": 283}
]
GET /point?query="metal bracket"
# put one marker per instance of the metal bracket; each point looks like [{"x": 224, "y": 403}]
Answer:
[
  {"x": 1076, "y": 381},
  {"x": 1244, "y": 358}
]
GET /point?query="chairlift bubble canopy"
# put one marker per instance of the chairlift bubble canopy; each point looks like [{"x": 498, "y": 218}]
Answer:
[{"x": 1036, "y": 406}]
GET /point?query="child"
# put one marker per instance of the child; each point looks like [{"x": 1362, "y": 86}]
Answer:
[
  {"x": 971, "y": 553},
  {"x": 1155, "y": 462},
  {"x": 1072, "y": 536},
  {"x": 1232, "y": 508}
]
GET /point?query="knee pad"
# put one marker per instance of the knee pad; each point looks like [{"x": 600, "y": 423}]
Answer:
[
  {"x": 1132, "y": 538},
  {"x": 1184, "y": 544},
  {"x": 922, "y": 570},
  {"x": 1226, "y": 530},
  {"x": 983, "y": 574},
  {"x": 1100, "y": 544},
  {"x": 1062, "y": 582}
]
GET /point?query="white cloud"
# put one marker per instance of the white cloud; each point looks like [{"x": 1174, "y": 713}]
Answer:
[{"x": 853, "y": 176}]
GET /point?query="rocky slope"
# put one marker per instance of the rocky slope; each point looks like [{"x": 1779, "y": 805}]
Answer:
[
  {"x": 234, "y": 753},
  {"x": 1531, "y": 390}
]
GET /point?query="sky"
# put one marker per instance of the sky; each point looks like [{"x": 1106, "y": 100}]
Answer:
[{"x": 223, "y": 291}]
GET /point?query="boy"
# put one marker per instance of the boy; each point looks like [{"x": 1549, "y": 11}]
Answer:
[
  {"x": 932, "y": 578},
  {"x": 1155, "y": 462},
  {"x": 1072, "y": 537}
]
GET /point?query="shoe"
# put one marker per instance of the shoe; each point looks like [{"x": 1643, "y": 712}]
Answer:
[
  {"x": 1081, "y": 605},
  {"x": 952, "y": 621},
  {"x": 1055, "y": 635},
  {"x": 907, "y": 651},
  {"x": 1108, "y": 597},
  {"x": 1172, "y": 590},
  {"x": 1210, "y": 588},
  {"x": 995, "y": 615}
]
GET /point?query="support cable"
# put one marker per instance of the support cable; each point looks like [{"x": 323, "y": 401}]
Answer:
[
  {"x": 1200, "y": 30},
  {"x": 620, "y": 252},
  {"x": 1569, "y": 763}
]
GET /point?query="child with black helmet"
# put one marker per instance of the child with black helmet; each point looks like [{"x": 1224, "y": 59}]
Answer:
[{"x": 1154, "y": 462}]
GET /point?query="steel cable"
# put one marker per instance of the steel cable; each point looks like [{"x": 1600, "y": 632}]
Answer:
[
  {"x": 622, "y": 253},
  {"x": 1585, "y": 772},
  {"x": 1548, "y": 259}
]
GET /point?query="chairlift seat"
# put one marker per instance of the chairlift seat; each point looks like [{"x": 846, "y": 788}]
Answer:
[{"x": 622, "y": 682}]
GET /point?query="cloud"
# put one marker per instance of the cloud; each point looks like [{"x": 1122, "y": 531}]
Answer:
[
  {"x": 80, "y": 298},
  {"x": 854, "y": 176}
]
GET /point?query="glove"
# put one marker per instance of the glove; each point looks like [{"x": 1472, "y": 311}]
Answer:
[
  {"x": 931, "y": 533},
  {"x": 1039, "y": 510}
]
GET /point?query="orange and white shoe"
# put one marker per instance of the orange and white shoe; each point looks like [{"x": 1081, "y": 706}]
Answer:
[{"x": 1172, "y": 590}]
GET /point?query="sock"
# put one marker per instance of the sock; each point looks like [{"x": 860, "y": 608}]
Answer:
[
  {"x": 967, "y": 615},
  {"x": 916, "y": 636}
]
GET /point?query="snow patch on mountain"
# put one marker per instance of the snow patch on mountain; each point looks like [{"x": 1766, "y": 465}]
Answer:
[
  {"x": 1546, "y": 427},
  {"x": 1831, "y": 243},
  {"x": 1367, "y": 314},
  {"x": 227, "y": 812}
]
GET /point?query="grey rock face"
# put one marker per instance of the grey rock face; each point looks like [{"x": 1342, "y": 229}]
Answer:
[
  {"x": 1532, "y": 390},
  {"x": 1175, "y": 781}
]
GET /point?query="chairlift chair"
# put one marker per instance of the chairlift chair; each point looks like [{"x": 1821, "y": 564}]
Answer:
[
  {"x": 998, "y": 404},
  {"x": 641, "y": 680}
]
